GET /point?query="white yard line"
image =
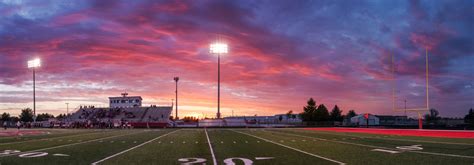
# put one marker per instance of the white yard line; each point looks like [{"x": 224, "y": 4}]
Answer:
[
  {"x": 32, "y": 140},
  {"x": 149, "y": 141},
  {"x": 66, "y": 145},
  {"x": 307, "y": 153},
  {"x": 407, "y": 140},
  {"x": 372, "y": 146},
  {"x": 210, "y": 147}
]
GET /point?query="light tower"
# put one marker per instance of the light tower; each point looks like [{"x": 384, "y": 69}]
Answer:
[
  {"x": 67, "y": 109},
  {"x": 34, "y": 64},
  {"x": 218, "y": 49},
  {"x": 176, "y": 79}
]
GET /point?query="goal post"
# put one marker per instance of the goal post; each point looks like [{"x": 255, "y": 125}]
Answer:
[{"x": 417, "y": 110}]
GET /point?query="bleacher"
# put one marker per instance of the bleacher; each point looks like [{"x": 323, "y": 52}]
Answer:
[{"x": 136, "y": 115}]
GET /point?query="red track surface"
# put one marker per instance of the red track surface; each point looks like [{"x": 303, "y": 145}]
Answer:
[
  {"x": 403, "y": 132},
  {"x": 15, "y": 132}
]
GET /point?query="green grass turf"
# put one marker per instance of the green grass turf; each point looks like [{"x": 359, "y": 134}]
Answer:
[
  {"x": 229, "y": 143},
  {"x": 46, "y": 133},
  {"x": 168, "y": 149},
  {"x": 437, "y": 145},
  {"x": 294, "y": 146},
  {"x": 358, "y": 151},
  {"x": 89, "y": 152}
]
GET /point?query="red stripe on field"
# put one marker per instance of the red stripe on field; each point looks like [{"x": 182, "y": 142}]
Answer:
[
  {"x": 14, "y": 132},
  {"x": 403, "y": 132}
]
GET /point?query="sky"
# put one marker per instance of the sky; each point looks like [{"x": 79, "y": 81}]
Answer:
[{"x": 281, "y": 53}]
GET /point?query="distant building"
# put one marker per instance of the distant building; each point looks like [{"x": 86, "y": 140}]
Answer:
[
  {"x": 361, "y": 120},
  {"x": 125, "y": 101},
  {"x": 279, "y": 118},
  {"x": 392, "y": 120}
]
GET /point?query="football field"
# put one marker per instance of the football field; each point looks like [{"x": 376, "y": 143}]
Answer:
[{"x": 229, "y": 146}]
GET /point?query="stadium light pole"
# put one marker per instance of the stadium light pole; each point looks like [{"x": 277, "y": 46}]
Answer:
[
  {"x": 67, "y": 109},
  {"x": 218, "y": 49},
  {"x": 176, "y": 79},
  {"x": 34, "y": 64}
]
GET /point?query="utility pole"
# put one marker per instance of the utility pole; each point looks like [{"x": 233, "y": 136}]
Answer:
[
  {"x": 176, "y": 79},
  {"x": 218, "y": 86},
  {"x": 405, "y": 107},
  {"x": 34, "y": 96}
]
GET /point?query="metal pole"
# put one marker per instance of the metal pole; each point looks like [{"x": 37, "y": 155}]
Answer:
[
  {"x": 218, "y": 86},
  {"x": 420, "y": 121},
  {"x": 405, "y": 107},
  {"x": 393, "y": 85},
  {"x": 34, "y": 96},
  {"x": 67, "y": 109},
  {"x": 427, "y": 84},
  {"x": 176, "y": 79}
]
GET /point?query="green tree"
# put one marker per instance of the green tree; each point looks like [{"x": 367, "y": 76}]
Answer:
[
  {"x": 61, "y": 116},
  {"x": 469, "y": 118},
  {"x": 350, "y": 114},
  {"x": 5, "y": 116},
  {"x": 308, "y": 110},
  {"x": 322, "y": 113},
  {"x": 433, "y": 116},
  {"x": 44, "y": 117},
  {"x": 14, "y": 119},
  {"x": 26, "y": 115},
  {"x": 336, "y": 114},
  {"x": 289, "y": 114}
]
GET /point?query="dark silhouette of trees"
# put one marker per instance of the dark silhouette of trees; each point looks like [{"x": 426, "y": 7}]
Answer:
[
  {"x": 190, "y": 119},
  {"x": 14, "y": 119},
  {"x": 433, "y": 116},
  {"x": 336, "y": 114},
  {"x": 469, "y": 118},
  {"x": 61, "y": 116},
  {"x": 350, "y": 114},
  {"x": 322, "y": 113},
  {"x": 307, "y": 114},
  {"x": 5, "y": 117},
  {"x": 26, "y": 115},
  {"x": 44, "y": 117},
  {"x": 289, "y": 114},
  {"x": 319, "y": 115}
]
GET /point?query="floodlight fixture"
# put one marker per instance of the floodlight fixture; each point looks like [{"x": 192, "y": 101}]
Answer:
[
  {"x": 34, "y": 63},
  {"x": 218, "y": 48}
]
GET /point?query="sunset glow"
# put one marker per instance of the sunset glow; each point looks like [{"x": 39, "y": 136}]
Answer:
[{"x": 337, "y": 52}]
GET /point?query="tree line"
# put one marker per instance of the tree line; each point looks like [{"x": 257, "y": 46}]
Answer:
[
  {"x": 26, "y": 115},
  {"x": 313, "y": 113},
  {"x": 320, "y": 113}
]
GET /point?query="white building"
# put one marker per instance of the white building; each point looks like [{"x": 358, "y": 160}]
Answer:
[
  {"x": 361, "y": 120},
  {"x": 125, "y": 101}
]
